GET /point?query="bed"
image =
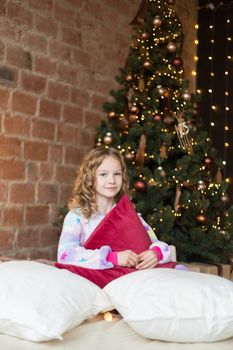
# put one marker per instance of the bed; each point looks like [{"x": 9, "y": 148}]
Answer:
[
  {"x": 94, "y": 329},
  {"x": 112, "y": 335}
]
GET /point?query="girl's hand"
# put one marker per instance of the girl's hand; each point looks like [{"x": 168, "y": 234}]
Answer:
[
  {"x": 127, "y": 258},
  {"x": 147, "y": 260}
]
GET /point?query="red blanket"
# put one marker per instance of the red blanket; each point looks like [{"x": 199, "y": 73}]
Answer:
[{"x": 121, "y": 229}]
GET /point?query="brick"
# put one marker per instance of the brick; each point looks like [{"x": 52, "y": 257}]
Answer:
[
  {"x": 92, "y": 118},
  {"x": 8, "y": 30},
  {"x": 9, "y": 147},
  {"x": 60, "y": 51},
  {"x": 16, "y": 125},
  {"x": 73, "y": 115},
  {"x": 32, "y": 171},
  {"x": 24, "y": 103},
  {"x": 46, "y": 172},
  {"x": 46, "y": 26},
  {"x": 22, "y": 193},
  {"x": 73, "y": 155},
  {"x": 19, "y": 14},
  {"x": 68, "y": 134},
  {"x": 18, "y": 57},
  {"x": 27, "y": 237},
  {"x": 65, "y": 193},
  {"x": 49, "y": 236},
  {"x": 67, "y": 74},
  {"x": 50, "y": 109},
  {"x": 47, "y": 193},
  {"x": 37, "y": 215},
  {"x": 33, "y": 83},
  {"x": 43, "y": 129},
  {"x": 3, "y": 192},
  {"x": 45, "y": 66},
  {"x": 82, "y": 58},
  {"x": 12, "y": 216},
  {"x": 44, "y": 6},
  {"x": 97, "y": 102},
  {"x": 87, "y": 137},
  {"x": 4, "y": 98},
  {"x": 64, "y": 15},
  {"x": 80, "y": 97},
  {"x": 35, "y": 150},
  {"x": 55, "y": 153},
  {"x": 12, "y": 170},
  {"x": 3, "y": 8},
  {"x": 65, "y": 174},
  {"x": 35, "y": 42},
  {"x": 6, "y": 239},
  {"x": 71, "y": 36},
  {"x": 2, "y": 49},
  {"x": 58, "y": 91}
]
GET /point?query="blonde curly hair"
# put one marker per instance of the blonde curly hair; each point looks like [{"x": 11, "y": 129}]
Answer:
[{"x": 83, "y": 194}]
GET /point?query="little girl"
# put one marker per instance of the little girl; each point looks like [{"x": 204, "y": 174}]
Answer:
[{"x": 101, "y": 181}]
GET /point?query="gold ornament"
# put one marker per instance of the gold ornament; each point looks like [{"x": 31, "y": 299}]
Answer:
[
  {"x": 186, "y": 96},
  {"x": 201, "y": 218},
  {"x": 147, "y": 64},
  {"x": 218, "y": 176},
  {"x": 182, "y": 131},
  {"x": 98, "y": 143},
  {"x": 201, "y": 185},
  {"x": 157, "y": 22},
  {"x": 162, "y": 171},
  {"x": 177, "y": 199},
  {"x": 129, "y": 156},
  {"x": 140, "y": 156},
  {"x": 141, "y": 84},
  {"x": 123, "y": 124},
  {"x": 129, "y": 77},
  {"x": 163, "y": 151},
  {"x": 133, "y": 118},
  {"x": 161, "y": 90},
  {"x": 108, "y": 138},
  {"x": 134, "y": 109},
  {"x": 171, "y": 47},
  {"x": 111, "y": 115}
]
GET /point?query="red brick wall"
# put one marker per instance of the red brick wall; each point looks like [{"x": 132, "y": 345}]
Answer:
[{"x": 58, "y": 60}]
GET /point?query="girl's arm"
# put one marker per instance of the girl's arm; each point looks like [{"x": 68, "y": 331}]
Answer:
[
  {"x": 162, "y": 249},
  {"x": 71, "y": 251}
]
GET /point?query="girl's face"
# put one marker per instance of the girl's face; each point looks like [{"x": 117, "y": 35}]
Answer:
[{"x": 108, "y": 179}]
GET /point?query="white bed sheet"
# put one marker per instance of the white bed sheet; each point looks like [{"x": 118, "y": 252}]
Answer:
[{"x": 103, "y": 335}]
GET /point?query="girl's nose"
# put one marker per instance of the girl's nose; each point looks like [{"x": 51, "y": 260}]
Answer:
[{"x": 111, "y": 179}]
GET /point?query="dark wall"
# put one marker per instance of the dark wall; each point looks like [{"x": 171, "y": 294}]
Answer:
[{"x": 219, "y": 50}]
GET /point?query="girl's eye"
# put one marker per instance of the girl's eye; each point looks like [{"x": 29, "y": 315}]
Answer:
[
  {"x": 118, "y": 174},
  {"x": 103, "y": 174}
]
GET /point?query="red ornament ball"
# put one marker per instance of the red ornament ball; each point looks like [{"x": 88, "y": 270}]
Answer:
[
  {"x": 170, "y": 2},
  {"x": 140, "y": 186},
  {"x": 156, "y": 117},
  {"x": 157, "y": 22},
  {"x": 129, "y": 156},
  {"x": 225, "y": 198},
  {"x": 145, "y": 36},
  {"x": 177, "y": 62},
  {"x": 207, "y": 162}
]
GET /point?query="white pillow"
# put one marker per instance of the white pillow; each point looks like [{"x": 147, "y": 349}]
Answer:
[
  {"x": 173, "y": 305},
  {"x": 39, "y": 302}
]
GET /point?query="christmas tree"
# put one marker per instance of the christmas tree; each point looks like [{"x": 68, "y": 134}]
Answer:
[{"x": 175, "y": 174}]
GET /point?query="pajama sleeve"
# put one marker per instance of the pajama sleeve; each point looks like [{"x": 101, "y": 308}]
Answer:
[
  {"x": 71, "y": 251},
  {"x": 162, "y": 249}
]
